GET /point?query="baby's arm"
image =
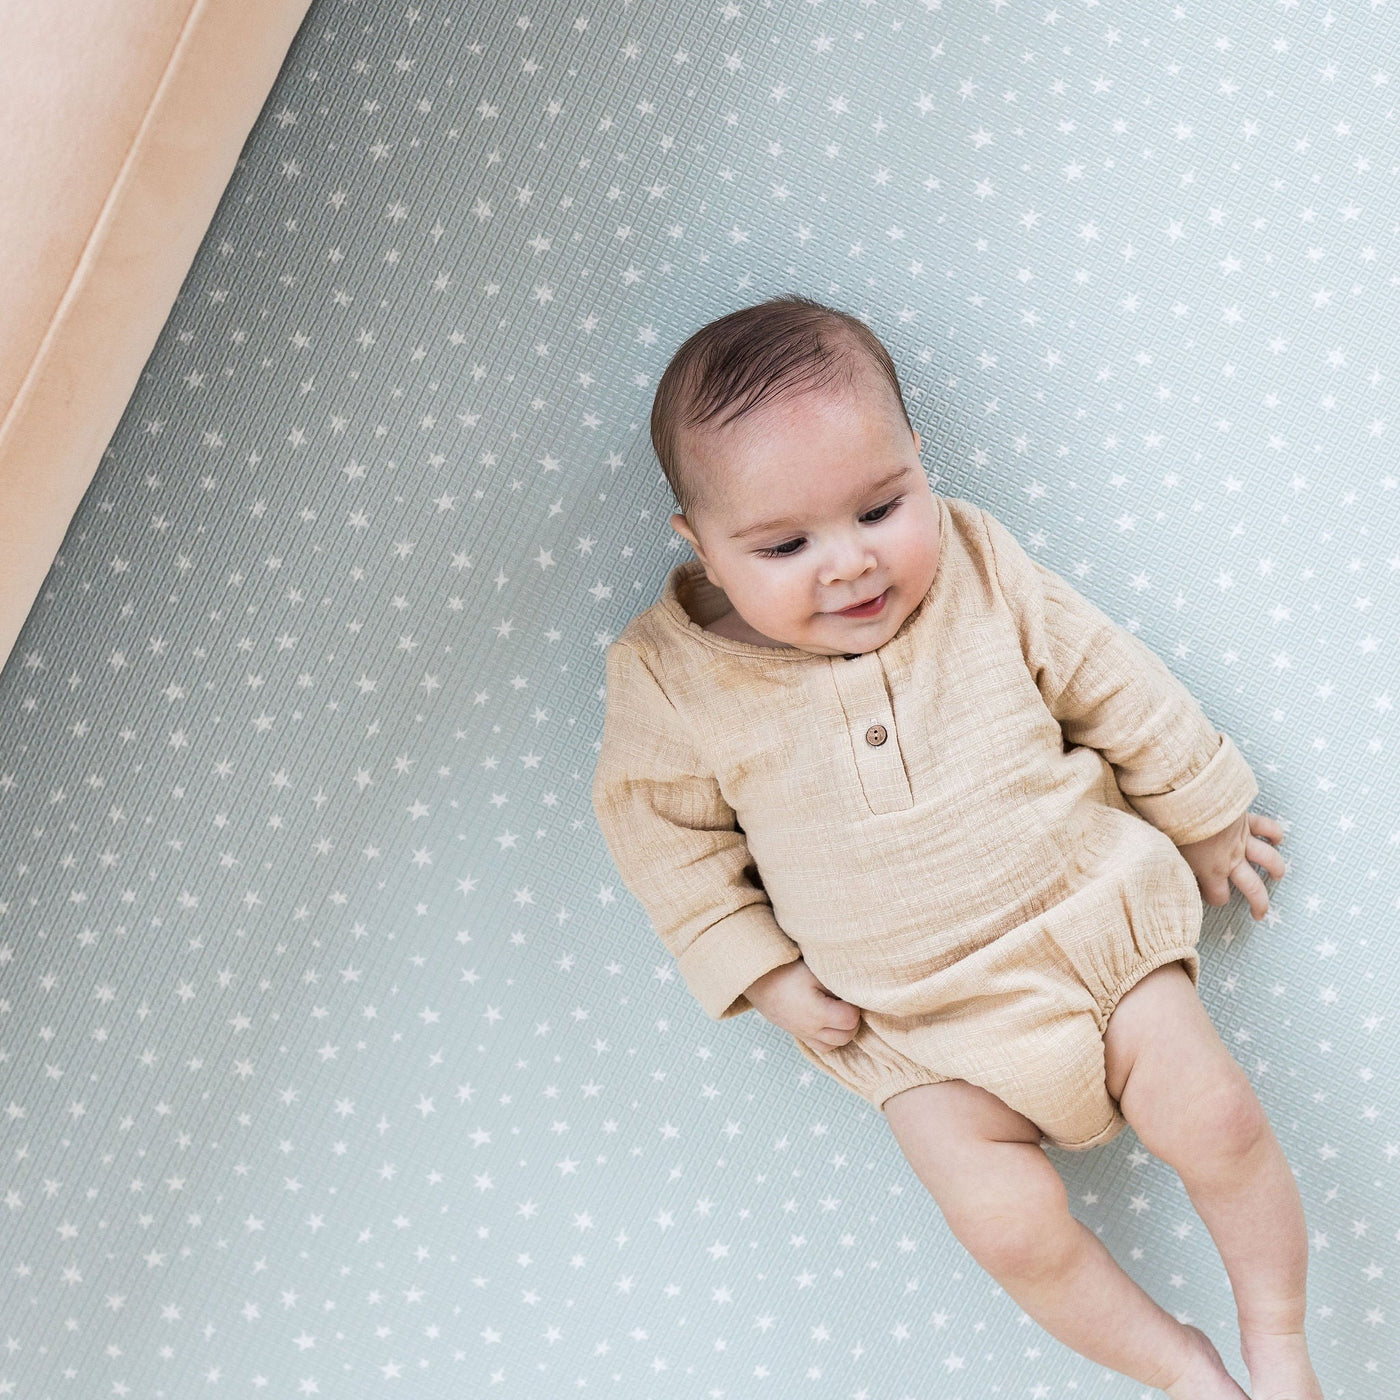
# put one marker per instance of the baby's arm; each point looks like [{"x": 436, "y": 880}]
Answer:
[
  {"x": 676, "y": 843},
  {"x": 1111, "y": 692}
]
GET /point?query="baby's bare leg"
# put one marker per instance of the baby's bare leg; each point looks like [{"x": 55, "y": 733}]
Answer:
[
  {"x": 1194, "y": 1107},
  {"x": 1005, "y": 1202}
]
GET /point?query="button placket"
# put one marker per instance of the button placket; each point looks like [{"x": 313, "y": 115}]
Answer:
[{"x": 863, "y": 689}]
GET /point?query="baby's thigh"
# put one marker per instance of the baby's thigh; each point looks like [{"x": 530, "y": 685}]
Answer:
[
  {"x": 980, "y": 1160},
  {"x": 1177, "y": 1083}
]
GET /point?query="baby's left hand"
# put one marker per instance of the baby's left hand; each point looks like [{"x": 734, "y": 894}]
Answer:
[{"x": 1224, "y": 858}]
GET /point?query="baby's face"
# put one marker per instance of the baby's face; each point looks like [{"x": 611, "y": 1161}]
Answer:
[{"x": 848, "y": 514}]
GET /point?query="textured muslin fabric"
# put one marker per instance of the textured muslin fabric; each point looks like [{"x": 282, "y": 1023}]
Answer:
[{"x": 969, "y": 832}]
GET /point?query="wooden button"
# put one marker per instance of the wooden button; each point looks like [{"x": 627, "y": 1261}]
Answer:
[{"x": 875, "y": 735}]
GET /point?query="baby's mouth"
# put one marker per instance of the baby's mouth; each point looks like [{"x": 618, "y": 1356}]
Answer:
[{"x": 869, "y": 608}]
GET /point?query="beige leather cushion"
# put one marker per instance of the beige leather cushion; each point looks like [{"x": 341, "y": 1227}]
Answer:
[{"x": 120, "y": 122}]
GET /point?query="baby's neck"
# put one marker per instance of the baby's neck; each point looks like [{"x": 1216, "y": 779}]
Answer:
[{"x": 734, "y": 627}]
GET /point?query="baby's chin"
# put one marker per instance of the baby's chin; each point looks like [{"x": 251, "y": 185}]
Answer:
[{"x": 841, "y": 636}]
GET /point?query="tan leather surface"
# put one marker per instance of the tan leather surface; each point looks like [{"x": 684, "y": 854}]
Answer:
[{"x": 121, "y": 122}]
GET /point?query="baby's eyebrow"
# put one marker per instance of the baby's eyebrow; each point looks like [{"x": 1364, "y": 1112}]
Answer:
[{"x": 787, "y": 520}]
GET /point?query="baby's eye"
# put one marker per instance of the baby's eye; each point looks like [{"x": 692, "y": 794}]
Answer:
[{"x": 782, "y": 551}]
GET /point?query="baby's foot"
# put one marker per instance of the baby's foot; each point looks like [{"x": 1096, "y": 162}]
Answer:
[
  {"x": 1279, "y": 1368},
  {"x": 1205, "y": 1377}
]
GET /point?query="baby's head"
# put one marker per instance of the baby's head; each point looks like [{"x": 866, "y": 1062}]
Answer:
[{"x": 782, "y": 431}]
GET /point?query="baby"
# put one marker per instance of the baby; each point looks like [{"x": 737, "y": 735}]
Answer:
[{"x": 876, "y": 773}]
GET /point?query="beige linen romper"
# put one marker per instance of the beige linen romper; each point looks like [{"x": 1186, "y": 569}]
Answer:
[{"x": 970, "y": 832}]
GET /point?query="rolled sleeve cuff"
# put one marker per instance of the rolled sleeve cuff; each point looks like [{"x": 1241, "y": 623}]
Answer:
[
  {"x": 1216, "y": 796},
  {"x": 733, "y": 954}
]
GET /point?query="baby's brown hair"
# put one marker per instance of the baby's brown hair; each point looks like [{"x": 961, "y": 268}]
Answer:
[{"x": 785, "y": 344}]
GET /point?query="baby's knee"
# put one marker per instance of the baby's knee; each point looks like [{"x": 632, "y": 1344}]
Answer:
[
  {"x": 1015, "y": 1223},
  {"x": 1226, "y": 1121}
]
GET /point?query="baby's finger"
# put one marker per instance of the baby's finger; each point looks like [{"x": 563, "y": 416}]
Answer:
[
  {"x": 1261, "y": 825},
  {"x": 1261, "y": 853},
  {"x": 1215, "y": 890},
  {"x": 1247, "y": 881},
  {"x": 840, "y": 1015}
]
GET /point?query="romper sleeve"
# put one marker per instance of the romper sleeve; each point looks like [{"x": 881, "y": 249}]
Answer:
[
  {"x": 1111, "y": 692},
  {"x": 677, "y": 844}
]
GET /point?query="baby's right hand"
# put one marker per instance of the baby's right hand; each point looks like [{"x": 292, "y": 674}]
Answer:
[{"x": 791, "y": 997}]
